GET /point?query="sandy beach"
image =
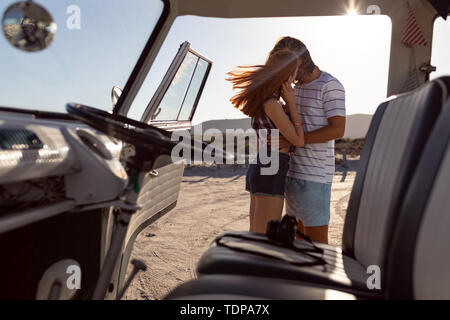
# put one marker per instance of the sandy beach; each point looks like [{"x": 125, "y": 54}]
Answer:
[{"x": 212, "y": 201}]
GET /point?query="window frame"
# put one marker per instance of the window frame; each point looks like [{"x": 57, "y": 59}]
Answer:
[{"x": 160, "y": 93}]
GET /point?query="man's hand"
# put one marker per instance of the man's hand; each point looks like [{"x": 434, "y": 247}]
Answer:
[
  {"x": 333, "y": 131},
  {"x": 282, "y": 143}
]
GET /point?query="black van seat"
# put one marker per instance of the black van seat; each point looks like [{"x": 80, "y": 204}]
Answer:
[
  {"x": 419, "y": 261},
  {"x": 236, "y": 287},
  {"x": 394, "y": 144},
  {"x": 336, "y": 269}
]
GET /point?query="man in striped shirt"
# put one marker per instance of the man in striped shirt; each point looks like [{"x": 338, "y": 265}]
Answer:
[{"x": 320, "y": 101}]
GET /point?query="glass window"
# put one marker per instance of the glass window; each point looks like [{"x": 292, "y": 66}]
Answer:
[
  {"x": 192, "y": 94},
  {"x": 365, "y": 50},
  {"x": 183, "y": 91},
  {"x": 441, "y": 48},
  {"x": 176, "y": 93},
  {"x": 96, "y": 47}
]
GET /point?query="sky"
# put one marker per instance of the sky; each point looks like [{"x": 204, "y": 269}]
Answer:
[
  {"x": 82, "y": 65},
  {"x": 440, "y": 55},
  {"x": 355, "y": 49}
]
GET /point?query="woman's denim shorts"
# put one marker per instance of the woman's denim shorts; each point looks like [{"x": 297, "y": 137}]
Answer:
[{"x": 267, "y": 185}]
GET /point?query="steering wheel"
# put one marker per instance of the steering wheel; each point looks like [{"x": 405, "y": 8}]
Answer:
[{"x": 144, "y": 137}]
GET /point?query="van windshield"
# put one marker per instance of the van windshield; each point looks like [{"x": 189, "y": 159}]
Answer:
[{"x": 96, "y": 46}]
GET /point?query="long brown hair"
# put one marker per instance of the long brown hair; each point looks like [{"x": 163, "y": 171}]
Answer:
[
  {"x": 299, "y": 48},
  {"x": 260, "y": 82}
]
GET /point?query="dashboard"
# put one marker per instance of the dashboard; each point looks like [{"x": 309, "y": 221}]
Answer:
[
  {"x": 60, "y": 182},
  {"x": 52, "y": 165}
]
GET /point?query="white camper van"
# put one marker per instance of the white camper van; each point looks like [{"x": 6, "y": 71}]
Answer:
[{"x": 79, "y": 179}]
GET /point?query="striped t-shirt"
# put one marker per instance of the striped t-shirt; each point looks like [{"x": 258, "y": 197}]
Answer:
[{"x": 316, "y": 102}]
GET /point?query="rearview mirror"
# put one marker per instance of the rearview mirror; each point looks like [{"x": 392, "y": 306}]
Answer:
[
  {"x": 116, "y": 92},
  {"x": 28, "y": 26}
]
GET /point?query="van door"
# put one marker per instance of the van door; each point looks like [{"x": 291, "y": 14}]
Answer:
[{"x": 171, "y": 108}]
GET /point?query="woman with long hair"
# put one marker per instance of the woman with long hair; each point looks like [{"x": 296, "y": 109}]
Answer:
[{"x": 261, "y": 88}]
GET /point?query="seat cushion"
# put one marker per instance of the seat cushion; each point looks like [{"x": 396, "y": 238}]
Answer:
[
  {"x": 406, "y": 123},
  {"x": 234, "y": 287},
  {"x": 399, "y": 132},
  {"x": 386, "y": 170},
  {"x": 420, "y": 259},
  {"x": 273, "y": 261},
  {"x": 432, "y": 257},
  {"x": 397, "y": 135}
]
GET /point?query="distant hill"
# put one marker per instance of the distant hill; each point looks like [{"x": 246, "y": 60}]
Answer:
[
  {"x": 222, "y": 125},
  {"x": 356, "y": 125}
]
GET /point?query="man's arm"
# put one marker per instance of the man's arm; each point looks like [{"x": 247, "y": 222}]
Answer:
[
  {"x": 333, "y": 131},
  {"x": 334, "y": 107}
]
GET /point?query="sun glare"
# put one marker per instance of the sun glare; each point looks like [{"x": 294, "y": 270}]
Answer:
[{"x": 352, "y": 12}]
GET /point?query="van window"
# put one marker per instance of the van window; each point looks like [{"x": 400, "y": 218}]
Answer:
[
  {"x": 440, "y": 49},
  {"x": 354, "y": 49}
]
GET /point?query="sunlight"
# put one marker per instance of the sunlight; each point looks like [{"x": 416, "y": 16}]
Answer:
[
  {"x": 352, "y": 12},
  {"x": 352, "y": 8}
]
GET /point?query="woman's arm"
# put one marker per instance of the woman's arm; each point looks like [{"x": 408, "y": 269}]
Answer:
[
  {"x": 287, "y": 92},
  {"x": 292, "y": 131}
]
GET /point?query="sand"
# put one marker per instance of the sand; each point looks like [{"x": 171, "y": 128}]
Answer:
[{"x": 212, "y": 201}]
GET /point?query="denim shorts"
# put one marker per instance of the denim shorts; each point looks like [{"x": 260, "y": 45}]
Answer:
[
  {"x": 308, "y": 201},
  {"x": 267, "y": 185}
]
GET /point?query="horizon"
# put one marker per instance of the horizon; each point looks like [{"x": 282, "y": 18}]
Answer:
[
  {"x": 356, "y": 126},
  {"x": 246, "y": 117}
]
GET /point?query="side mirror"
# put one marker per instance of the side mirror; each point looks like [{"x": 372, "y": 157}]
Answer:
[
  {"x": 116, "y": 92},
  {"x": 28, "y": 26}
]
